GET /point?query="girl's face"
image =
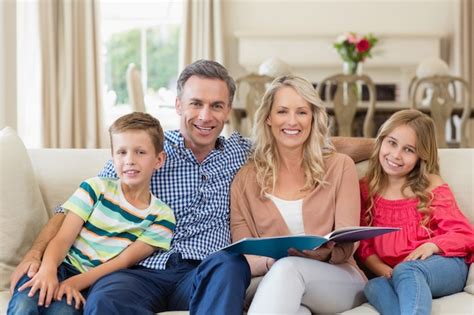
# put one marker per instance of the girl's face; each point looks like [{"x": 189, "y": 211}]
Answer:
[
  {"x": 290, "y": 118},
  {"x": 398, "y": 152}
]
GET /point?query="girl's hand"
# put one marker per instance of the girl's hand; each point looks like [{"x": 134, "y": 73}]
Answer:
[
  {"x": 46, "y": 281},
  {"x": 386, "y": 271},
  {"x": 322, "y": 253},
  {"x": 69, "y": 287},
  {"x": 423, "y": 251}
]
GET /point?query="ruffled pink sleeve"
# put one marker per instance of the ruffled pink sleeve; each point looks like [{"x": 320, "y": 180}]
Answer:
[
  {"x": 366, "y": 248},
  {"x": 451, "y": 230}
]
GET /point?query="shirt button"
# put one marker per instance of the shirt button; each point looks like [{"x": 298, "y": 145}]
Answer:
[{"x": 204, "y": 177}]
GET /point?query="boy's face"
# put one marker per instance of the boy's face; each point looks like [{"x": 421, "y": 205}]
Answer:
[
  {"x": 204, "y": 108},
  {"x": 135, "y": 158}
]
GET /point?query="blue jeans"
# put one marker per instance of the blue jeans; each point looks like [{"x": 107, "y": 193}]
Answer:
[
  {"x": 215, "y": 285},
  {"x": 415, "y": 283},
  {"x": 22, "y": 304}
]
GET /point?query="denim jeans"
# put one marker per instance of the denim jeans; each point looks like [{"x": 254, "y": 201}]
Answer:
[
  {"x": 415, "y": 283},
  {"x": 22, "y": 304},
  {"x": 215, "y": 285}
]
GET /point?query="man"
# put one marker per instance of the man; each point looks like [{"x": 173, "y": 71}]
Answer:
[{"x": 194, "y": 182}]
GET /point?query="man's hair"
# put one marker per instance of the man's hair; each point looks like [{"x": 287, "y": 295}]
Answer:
[
  {"x": 139, "y": 121},
  {"x": 207, "y": 69}
]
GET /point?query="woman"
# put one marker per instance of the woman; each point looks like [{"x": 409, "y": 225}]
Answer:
[{"x": 295, "y": 183}]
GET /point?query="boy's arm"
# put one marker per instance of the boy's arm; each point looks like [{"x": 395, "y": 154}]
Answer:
[
  {"x": 378, "y": 267},
  {"x": 359, "y": 149},
  {"x": 32, "y": 259},
  {"x": 134, "y": 253}
]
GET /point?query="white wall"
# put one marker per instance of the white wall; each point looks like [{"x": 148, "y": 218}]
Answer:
[
  {"x": 302, "y": 17},
  {"x": 8, "y": 114}
]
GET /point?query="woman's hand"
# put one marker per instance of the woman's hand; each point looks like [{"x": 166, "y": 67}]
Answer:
[
  {"x": 423, "y": 251},
  {"x": 322, "y": 253},
  {"x": 70, "y": 288},
  {"x": 46, "y": 281}
]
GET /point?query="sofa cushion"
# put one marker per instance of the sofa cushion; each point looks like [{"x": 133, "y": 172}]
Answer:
[{"x": 22, "y": 211}]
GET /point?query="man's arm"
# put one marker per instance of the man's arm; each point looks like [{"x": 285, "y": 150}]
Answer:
[
  {"x": 359, "y": 149},
  {"x": 32, "y": 260}
]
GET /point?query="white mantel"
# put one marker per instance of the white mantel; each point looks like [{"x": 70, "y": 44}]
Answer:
[{"x": 395, "y": 56}]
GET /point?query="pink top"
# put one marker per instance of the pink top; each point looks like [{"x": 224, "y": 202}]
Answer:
[{"x": 450, "y": 229}]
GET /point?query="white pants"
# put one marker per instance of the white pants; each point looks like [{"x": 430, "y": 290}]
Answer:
[{"x": 294, "y": 284}]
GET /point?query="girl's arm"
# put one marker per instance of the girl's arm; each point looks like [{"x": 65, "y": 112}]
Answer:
[
  {"x": 378, "y": 267},
  {"x": 134, "y": 253},
  {"x": 46, "y": 279}
]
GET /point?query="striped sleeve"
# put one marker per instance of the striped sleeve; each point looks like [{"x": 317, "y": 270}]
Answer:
[
  {"x": 83, "y": 200},
  {"x": 160, "y": 231}
]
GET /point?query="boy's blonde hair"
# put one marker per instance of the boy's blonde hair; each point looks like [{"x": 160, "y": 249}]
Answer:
[
  {"x": 417, "y": 179},
  {"x": 315, "y": 149},
  {"x": 139, "y": 121}
]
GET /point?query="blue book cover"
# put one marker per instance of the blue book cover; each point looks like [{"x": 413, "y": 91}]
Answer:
[{"x": 277, "y": 246}]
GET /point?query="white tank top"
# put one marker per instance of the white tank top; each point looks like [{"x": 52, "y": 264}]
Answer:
[{"x": 292, "y": 213}]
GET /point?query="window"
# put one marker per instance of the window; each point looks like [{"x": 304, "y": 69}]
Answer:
[{"x": 146, "y": 33}]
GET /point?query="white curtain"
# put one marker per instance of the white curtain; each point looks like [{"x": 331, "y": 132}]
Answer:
[
  {"x": 202, "y": 33},
  {"x": 466, "y": 28},
  {"x": 71, "y": 84}
]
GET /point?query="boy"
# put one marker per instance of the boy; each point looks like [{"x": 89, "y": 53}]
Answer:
[{"x": 110, "y": 224}]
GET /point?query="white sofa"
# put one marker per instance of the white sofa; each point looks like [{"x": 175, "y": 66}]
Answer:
[{"x": 29, "y": 191}]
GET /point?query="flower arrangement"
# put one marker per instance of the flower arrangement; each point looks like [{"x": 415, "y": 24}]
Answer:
[{"x": 354, "y": 49}]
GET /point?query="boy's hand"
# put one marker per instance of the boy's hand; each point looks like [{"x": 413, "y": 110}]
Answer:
[
  {"x": 70, "y": 288},
  {"x": 423, "y": 251},
  {"x": 46, "y": 281}
]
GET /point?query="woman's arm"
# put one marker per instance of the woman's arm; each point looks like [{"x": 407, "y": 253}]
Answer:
[{"x": 378, "y": 267}]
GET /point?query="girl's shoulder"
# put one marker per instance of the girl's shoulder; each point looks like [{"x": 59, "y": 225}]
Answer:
[{"x": 435, "y": 181}]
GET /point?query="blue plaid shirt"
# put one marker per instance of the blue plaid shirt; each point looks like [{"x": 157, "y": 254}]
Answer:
[{"x": 198, "y": 193}]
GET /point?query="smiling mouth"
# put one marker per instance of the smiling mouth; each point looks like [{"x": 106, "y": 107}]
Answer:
[
  {"x": 204, "y": 129},
  {"x": 131, "y": 172},
  {"x": 291, "y": 132},
  {"x": 392, "y": 164}
]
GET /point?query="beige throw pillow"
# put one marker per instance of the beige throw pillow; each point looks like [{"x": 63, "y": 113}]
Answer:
[{"x": 22, "y": 211}]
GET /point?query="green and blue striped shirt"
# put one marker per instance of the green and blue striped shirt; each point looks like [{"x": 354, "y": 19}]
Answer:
[{"x": 112, "y": 223}]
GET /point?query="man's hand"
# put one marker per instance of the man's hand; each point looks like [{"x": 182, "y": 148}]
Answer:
[
  {"x": 322, "y": 253},
  {"x": 423, "y": 251},
  {"x": 70, "y": 288},
  {"x": 28, "y": 266}
]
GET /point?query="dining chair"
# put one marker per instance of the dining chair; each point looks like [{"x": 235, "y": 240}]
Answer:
[
  {"x": 248, "y": 96},
  {"x": 440, "y": 93},
  {"x": 343, "y": 93},
  {"x": 135, "y": 89}
]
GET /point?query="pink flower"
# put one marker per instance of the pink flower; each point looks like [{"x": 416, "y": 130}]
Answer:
[
  {"x": 351, "y": 38},
  {"x": 363, "y": 45}
]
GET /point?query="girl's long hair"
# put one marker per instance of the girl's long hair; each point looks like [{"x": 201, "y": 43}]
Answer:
[
  {"x": 265, "y": 155},
  {"x": 417, "y": 180}
]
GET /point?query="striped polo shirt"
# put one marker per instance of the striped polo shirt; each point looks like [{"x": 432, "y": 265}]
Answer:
[{"x": 112, "y": 223}]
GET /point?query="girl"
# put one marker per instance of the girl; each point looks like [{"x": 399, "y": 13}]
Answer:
[{"x": 428, "y": 257}]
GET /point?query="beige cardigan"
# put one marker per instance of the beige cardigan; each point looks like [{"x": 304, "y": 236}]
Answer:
[{"x": 327, "y": 207}]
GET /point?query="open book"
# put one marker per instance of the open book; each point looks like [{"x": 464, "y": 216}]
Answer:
[{"x": 277, "y": 246}]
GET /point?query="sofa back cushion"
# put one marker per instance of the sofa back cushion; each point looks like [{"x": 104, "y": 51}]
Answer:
[
  {"x": 22, "y": 211},
  {"x": 61, "y": 171}
]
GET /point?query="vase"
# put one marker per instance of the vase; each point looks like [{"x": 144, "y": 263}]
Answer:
[{"x": 352, "y": 68}]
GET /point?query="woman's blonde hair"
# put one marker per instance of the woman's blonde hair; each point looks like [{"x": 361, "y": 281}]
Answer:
[
  {"x": 417, "y": 179},
  {"x": 315, "y": 149}
]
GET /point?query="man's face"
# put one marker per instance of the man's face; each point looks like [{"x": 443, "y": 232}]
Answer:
[{"x": 204, "y": 108}]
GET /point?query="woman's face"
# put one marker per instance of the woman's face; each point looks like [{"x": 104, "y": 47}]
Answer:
[{"x": 290, "y": 118}]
